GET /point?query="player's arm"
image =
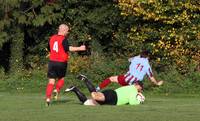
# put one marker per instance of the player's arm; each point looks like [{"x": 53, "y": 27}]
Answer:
[
  {"x": 151, "y": 77},
  {"x": 130, "y": 59},
  {"x": 48, "y": 47},
  {"x": 74, "y": 49},
  {"x": 48, "y": 50},
  {"x": 153, "y": 80},
  {"x": 68, "y": 47}
]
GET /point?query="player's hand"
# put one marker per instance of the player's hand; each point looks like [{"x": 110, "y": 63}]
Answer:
[
  {"x": 47, "y": 56},
  {"x": 159, "y": 83},
  {"x": 82, "y": 47}
]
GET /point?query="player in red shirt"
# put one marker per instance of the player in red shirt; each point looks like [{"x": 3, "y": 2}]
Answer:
[{"x": 58, "y": 47}]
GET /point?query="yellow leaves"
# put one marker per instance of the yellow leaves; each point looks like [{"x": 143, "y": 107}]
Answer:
[
  {"x": 137, "y": 9},
  {"x": 124, "y": 14},
  {"x": 198, "y": 36},
  {"x": 177, "y": 28},
  {"x": 153, "y": 9},
  {"x": 130, "y": 7},
  {"x": 160, "y": 44},
  {"x": 133, "y": 29},
  {"x": 172, "y": 34},
  {"x": 158, "y": 59},
  {"x": 78, "y": 63},
  {"x": 88, "y": 36},
  {"x": 151, "y": 1},
  {"x": 156, "y": 50}
]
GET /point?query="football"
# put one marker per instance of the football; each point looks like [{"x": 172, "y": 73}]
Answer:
[
  {"x": 89, "y": 102},
  {"x": 140, "y": 97}
]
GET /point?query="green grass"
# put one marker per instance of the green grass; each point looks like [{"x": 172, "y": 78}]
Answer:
[{"x": 31, "y": 107}]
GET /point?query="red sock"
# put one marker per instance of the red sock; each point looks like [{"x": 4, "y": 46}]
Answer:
[
  {"x": 49, "y": 90},
  {"x": 105, "y": 83},
  {"x": 60, "y": 84}
]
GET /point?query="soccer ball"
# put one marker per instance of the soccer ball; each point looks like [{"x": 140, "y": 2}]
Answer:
[
  {"x": 89, "y": 102},
  {"x": 140, "y": 97}
]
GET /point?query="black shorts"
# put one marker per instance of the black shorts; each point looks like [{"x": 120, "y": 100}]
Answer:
[
  {"x": 56, "y": 69},
  {"x": 110, "y": 97}
]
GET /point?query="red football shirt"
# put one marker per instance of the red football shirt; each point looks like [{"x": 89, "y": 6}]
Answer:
[{"x": 58, "y": 48}]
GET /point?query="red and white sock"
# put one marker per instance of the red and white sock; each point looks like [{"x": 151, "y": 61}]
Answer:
[{"x": 105, "y": 83}]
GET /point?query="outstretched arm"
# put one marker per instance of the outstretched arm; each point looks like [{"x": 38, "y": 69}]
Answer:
[
  {"x": 68, "y": 47},
  {"x": 158, "y": 83},
  {"x": 74, "y": 49}
]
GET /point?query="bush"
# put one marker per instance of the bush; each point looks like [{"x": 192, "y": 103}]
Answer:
[
  {"x": 27, "y": 81},
  {"x": 2, "y": 80},
  {"x": 169, "y": 28},
  {"x": 175, "y": 82},
  {"x": 97, "y": 67}
]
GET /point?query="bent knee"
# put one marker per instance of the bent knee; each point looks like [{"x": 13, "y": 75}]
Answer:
[
  {"x": 98, "y": 96},
  {"x": 114, "y": 79}
]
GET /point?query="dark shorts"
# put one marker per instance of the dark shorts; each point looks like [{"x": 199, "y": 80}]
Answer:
[
  {"x": 110, "y": 97},
  {"x": 56, "y": 69}
]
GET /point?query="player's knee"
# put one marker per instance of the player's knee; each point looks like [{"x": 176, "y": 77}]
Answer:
[
  {"x": 97, "y": 96},
  {"x": 113, "y": 78},
  {"x": 51, "y": 81},
  {"x": 94, "y": 95}
]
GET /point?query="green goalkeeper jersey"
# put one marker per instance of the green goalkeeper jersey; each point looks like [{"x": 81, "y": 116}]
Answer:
[{"x": 127, "y": 95}]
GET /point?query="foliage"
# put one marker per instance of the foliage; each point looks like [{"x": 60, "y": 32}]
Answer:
[
  {"x": 97, "y": 67},
  {"x": 3, "y": 78},
  {"x": 90, "y": 20},
  {"x": 169, "y": 28},
  {"x": 27, "y": 81},
  {"x": 175, "y": 82}
]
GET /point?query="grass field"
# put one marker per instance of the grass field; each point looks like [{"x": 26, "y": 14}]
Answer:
[{"x": 31, "y": 107}]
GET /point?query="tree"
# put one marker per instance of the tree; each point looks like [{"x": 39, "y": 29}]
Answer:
[
  {"x": 19, "y": 18},
  {"x": 27, "y": 25},
  {"x": 169, "y": 28}
]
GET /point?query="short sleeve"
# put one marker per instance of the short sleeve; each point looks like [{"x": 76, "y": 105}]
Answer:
[
  {"x": 48, "y": 47},
  {"x": 130, "y": 59},
  {"x": 65, "y": 45}
]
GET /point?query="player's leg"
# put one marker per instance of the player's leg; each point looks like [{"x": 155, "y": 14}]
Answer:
[
  {"x": 78, "y": 93},
  {"x": 98, "y": 96},
  {"x": 107, "y": 81},
  {"x": 58, "y": 87},
  {"x": 122, "y": 80},
  {"x": 91, "y": 102},
  {"x": 52, "y": 75},
  {"x": 60, "y": 73},
  {"x": 87, "y": 82},
  {"x": 60, "y": 84},
  {"x": 108, "y": 96},
  {"x": 49, "y": 90}
]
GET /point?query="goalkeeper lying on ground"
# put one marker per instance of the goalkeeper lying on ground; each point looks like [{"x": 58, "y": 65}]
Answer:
[{"x": 121, "y": 96}]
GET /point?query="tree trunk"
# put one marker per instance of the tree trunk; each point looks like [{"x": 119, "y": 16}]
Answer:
[{"x": 16, "y": 57}]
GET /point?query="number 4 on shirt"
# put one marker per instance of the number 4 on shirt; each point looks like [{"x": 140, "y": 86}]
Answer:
[{"x": 55, "y": 46}]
